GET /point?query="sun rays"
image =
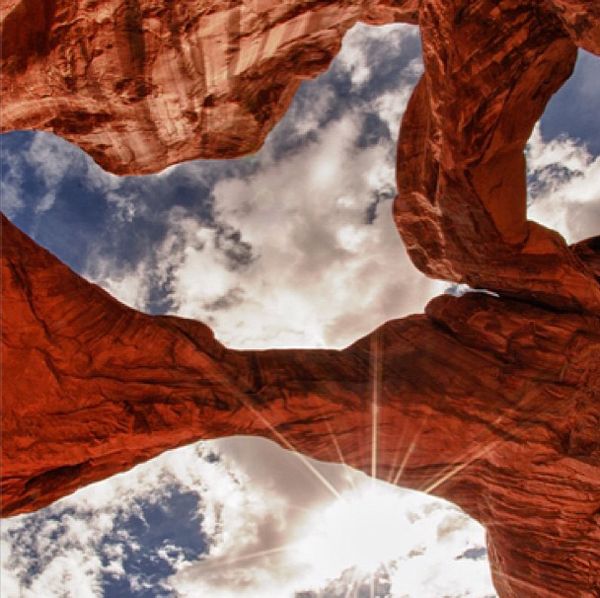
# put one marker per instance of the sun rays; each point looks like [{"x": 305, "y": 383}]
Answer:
[
  {"x": 368, "y": 507},
  {"x": 481, "y": 447},
  {"x": 216, "y": 562},
  {"x": 376, "y": 379},
  {"x": 303, "y": 459},
  {"x": 359, "y": 526},
  {"x": 223, "y": 379}
]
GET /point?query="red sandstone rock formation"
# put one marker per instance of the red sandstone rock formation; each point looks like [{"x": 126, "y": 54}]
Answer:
[
  {"x": 461, "y": 205},
  {"x": 142, "y": 84},
  {"x": 501, "y": 395},
  {"x": 581, "y": 19},
  {"x": 491, "y": 403}
]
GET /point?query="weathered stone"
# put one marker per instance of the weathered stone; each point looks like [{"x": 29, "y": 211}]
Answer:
[
  {"x": 490, "y": 68},
  {"x": 142, "y": 84},
  {"x": 492, "y": 402}
]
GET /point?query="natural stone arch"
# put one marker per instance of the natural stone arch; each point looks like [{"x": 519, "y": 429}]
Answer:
[{"x": 497, "y": 399}]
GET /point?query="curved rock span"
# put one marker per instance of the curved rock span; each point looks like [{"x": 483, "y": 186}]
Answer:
[{"x": 490, "y": 401}]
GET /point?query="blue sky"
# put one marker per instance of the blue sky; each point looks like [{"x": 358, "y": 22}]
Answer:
[{"x": 292, "y": 246}]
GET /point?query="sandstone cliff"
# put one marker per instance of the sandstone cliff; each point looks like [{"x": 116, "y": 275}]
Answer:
[{"x": 492, "y": 402}]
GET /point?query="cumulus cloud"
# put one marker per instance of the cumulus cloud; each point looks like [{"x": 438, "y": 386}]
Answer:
[
  {"x": 573, "y": 110},
  {"x": 364, "y": 47},
  {"x": 299, "y": 247},
  {"x": 76, "y": 546},
  {"x": 292, "y": 246},
  {"x": 564, "y": 186},
  {"x": 51, "y": 161},
  {"x": 130, "y": 286},
  {"x": 47, "y": 162},
  {"x": 11, "y": 197},
  {"x": 321, "y": 270},
  {"x": 264, "y": 525}
]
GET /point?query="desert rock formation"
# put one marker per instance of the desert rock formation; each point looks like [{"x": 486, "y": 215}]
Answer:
[
  {"x": 490, "y": 401},
  {"x": 142, "y": 84},
  {"x": 461, "y": 205}
]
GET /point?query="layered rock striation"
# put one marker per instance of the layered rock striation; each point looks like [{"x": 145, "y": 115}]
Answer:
[
  {"x": 490, "y": 401},
  {"x": 142, "y": 84},
  {"x": 490, "y": 68}
]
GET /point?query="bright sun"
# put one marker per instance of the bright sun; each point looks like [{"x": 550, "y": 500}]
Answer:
[{"x": 364, "y": 528}]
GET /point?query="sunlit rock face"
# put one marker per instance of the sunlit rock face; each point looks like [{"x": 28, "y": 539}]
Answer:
[
  {"x": 142, "y": 84},
  {"x": 489, "y": 401}
]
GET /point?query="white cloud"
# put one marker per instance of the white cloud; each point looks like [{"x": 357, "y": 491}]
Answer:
[
  {"x": 317, "y": 271},
  {"x": 391, "y": 106},
  {"x": 68, "y": 557},
  {"x": 126, "y": 205},
  {"x": 131, "y": 287},
  {"x": 320, "y": 273},
  {"x": 565, "y": 188},
  {"x": 57, "y": 551},
  {"x": 353, "y": 56},
  {"x": 52, "y": 159},
  {"x": 293, "y": 535},
  {"x": 319, "y": 264},
  {"x": 273, "y": 528},
  {"x": 296, "y": 257},
  {"x": 11, "y": 196},
  {"x": 320, "y": 101}
]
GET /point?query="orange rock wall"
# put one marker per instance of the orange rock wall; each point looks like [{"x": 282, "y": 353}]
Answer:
[
  {"x": 490, "y": 68},
  {"x": 492, "y": 402},
  {"x": 142, "y": 84}
]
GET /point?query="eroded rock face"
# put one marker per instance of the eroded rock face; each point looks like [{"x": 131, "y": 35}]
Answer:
[
  {"x": 501, "y": 393},
  {"x": 581, "y": 18},
  {"x": 502, "y": 399},
  {"x": 142, "y": 84},
  {"x": 461, "y": 205}
]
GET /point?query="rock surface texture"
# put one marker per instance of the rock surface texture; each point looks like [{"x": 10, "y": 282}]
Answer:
[
  {"x": 142, "y": 84},
  {"x": 490, "y": 68},
  {"x": 490, "y": 401}
]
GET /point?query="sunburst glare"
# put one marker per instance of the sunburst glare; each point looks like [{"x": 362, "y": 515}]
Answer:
[
  {"x": 365, "y": 528},
  {"x": 383, "y": 541}
]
